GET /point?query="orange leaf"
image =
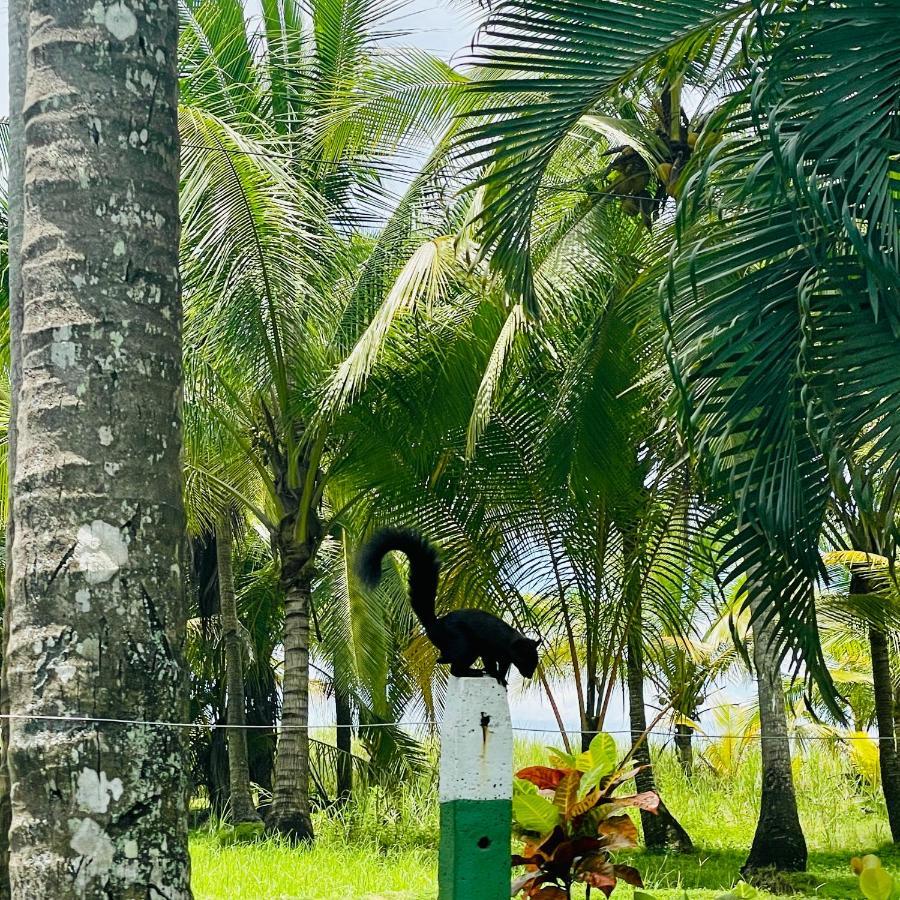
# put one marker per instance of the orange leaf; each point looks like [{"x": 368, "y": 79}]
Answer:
[
  {"x": 542, "y": 776},
  {"x": 549, "y": 892},
  {"x": 619, "y": 832}
]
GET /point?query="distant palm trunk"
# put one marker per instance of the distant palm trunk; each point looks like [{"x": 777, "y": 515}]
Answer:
[
  {"x": 896, "y": 717},
  {"x": 778, "y": 842},
  {"x": 242, "y": 807},
  {"x": 662, "y": 831},
  {"x": 882, "y": 683},
  {"x": 684, "y": 745},
  {"x": 590, "y": 719},
  {"x": 344, "y": 720},
  {"x": 96, "y": 602}
]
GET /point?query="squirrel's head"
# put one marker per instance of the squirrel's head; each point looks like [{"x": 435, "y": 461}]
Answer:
[{"x": 525, "y": 656}]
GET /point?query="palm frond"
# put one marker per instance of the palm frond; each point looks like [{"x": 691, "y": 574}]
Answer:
[{"x": 567, "y": 55}]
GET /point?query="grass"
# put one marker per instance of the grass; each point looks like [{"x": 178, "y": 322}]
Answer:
[{"x": 384, "y": 847}]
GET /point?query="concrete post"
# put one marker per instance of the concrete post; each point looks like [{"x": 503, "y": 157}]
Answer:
[{"x": 475, "y": 791}]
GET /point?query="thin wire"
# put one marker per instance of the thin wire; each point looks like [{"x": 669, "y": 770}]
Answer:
[{"x": 149, "y": 723}]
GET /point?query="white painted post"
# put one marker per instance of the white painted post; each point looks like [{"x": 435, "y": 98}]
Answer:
[{"x": 475, "y": 791}]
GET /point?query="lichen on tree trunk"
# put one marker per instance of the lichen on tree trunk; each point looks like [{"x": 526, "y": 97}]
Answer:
[
  {"x": 96, "y": 621},
  {"x": 16, "y": 186}
]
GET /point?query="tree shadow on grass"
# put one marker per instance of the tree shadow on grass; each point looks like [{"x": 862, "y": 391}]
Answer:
[{"x": 828, "y": 873}]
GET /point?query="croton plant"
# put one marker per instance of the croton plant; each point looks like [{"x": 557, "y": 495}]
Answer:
[{"x": 572, "y": 823}]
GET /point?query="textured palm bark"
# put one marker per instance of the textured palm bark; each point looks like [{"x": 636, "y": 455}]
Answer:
[
  {"x": 242, "y": 806},
  {"x": 888, "y": 758},
  {"x": 861, "y": 727},
  {"x": 16, "y": 206},
  {"x": 96, "y": 621},
  {"x": 661, "y": 831},
  {"x": 290, "y": 813},
  {"x": 778, "y": 842}
]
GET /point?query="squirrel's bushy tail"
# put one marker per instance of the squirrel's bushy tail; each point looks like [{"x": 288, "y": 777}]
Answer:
[{"x": 424, "y": 566}]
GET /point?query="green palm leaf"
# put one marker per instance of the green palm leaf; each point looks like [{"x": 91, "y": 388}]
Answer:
[{"x": 570, "y": 54}]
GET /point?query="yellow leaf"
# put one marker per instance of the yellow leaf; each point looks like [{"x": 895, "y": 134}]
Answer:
[
  {"x": 583, "y": 805},
  {"x": 855, "y": 558},
  {"x": 566, "y": 796},
  {"x": 876, "y": 883}
]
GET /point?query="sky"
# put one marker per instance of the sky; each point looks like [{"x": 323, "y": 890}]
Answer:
[{"x": 4, "y": 58}]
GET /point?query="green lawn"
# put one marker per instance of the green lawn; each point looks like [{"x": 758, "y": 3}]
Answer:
[{"x": 385, "y": 846}]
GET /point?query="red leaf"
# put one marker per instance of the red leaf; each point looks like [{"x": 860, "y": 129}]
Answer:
[
  {"x": 598, "y": 873},
  {"x": 629, "y": 874},
  {"x": 648, "y": 800},
  {"x": 550, "y": 892},
  {"x": 567, "y": 852},
  {"x": 619, "y": 833},
  {"x": 548, "y": 846},
  {"x": 542, "y": 777}
]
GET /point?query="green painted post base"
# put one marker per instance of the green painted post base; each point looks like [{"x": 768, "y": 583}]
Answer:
[{"x": 475, "y": 850}]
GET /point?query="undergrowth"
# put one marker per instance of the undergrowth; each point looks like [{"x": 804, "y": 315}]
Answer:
[{"x": 383, "y": 845}]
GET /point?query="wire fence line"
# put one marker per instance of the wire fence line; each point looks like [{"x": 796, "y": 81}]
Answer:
[{"x": 211, "y": 726}]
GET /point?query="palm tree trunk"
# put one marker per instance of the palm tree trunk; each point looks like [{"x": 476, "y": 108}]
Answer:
[
  {"x": 684, "y": 745},
  {"x": 97, "y": 613},
  {"x": 888, "y": 759},
  {"x": 591, "y": 719},
  {"x": 885, "y": 710},
  {"x": 661, "y": 831},
  {"x": 290, "y": 813},
  {"x": 896, "y": 717},
  {"x": 344, "y": 720},
  {"x": 16, "y": 206},
  {"x": 778, "y": 842},
  {"x": 242, "y": 807}
]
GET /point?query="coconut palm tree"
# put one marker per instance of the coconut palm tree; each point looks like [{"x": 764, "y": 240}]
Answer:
[
  {"x": 535, "y": 459},
  {"x": 766, "y": 417},
  {"x": 867, "y": 605},
  {"x": 287, "y": 125},
  {"x": 95, "y": 539}
]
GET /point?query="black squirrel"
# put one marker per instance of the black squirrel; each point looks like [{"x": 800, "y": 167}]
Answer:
[{"x": 461, "y": 636}]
